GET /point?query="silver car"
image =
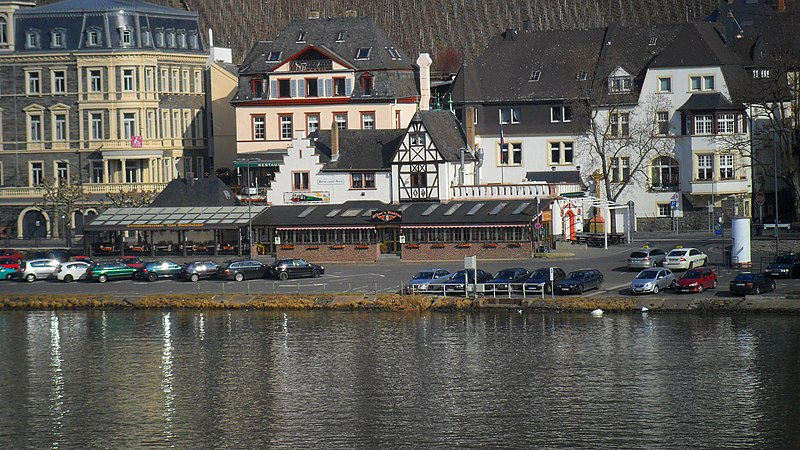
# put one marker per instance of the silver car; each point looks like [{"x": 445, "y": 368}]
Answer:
[
  {"x": 646, "y": 258},
  {"x": 652, "y": 281},
  {"x": 37, "y": 269},
  {"x": 428, "y": 280}
]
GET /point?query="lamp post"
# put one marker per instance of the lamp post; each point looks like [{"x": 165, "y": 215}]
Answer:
[{"x": 775, "y": 174}]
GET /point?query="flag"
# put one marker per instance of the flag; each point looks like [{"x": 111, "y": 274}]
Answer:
[
  {"x": 503, "y": 150},
  {"x": 502, "y": 138}
]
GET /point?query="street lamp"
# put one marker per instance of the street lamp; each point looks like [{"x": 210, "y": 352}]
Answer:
[{"x": 775, "y": 174}]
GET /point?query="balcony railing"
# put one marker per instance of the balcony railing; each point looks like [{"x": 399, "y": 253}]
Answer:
[
  {"x": 311, "y": 65},
  {"x": 511, "y": 191},
  {"x": 110, "y": 188},
  {"x": 721, "y": 187}
]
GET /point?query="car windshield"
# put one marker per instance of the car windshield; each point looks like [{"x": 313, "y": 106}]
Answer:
[
  {"x": 647, "y": 275},
  {"x": 691, "y": 274},
  {"x": 577, "y": 275},
  {"x": 505, "y": 274},
  {"x": 541, "y": 273},
  {"x": 677, "y": 253},
  {"x": 459, "y": 276},
  {"x": 745, "y": 277},
  {"x": 639, "y": 255},
  {"x": 784, "y": 260},
  {"x": 425, "y": 275}
]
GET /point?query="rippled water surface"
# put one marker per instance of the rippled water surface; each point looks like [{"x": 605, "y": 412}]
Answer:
[{"x": 119, "y": 379}]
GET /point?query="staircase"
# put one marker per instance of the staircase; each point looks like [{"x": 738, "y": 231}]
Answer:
[{"x": 389, "y": 257}]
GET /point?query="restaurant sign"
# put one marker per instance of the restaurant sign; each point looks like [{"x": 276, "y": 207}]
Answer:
[
  {"x": 387, "y": 216},
  {"x": 295, "y": 198}
]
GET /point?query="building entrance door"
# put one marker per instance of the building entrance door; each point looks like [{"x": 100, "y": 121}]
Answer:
[{"x": 389, "y": 239}]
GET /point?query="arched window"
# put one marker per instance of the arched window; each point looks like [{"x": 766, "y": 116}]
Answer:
[
  {"x": 3, "y": 31},
  {"x": 664, "y": 175}
]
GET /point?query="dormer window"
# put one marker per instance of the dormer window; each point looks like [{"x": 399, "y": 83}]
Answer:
[
  {"x": 159, "y": 37},
  {"x": 146, "y": 37},
  {"x": 536, "y": 75},
  {"x": 93, "y": 38},
  {"x": 274, "y": 56},
  {"x": 301, "y": 37},
  {"x": 170, "y": 38},
  {"x": 257, "y": 86},
  {"x": 32, "y": 38},
  {"x": 194, "y": 42},
  {"x": 366, "y": 84},
  {"x": 393, "y": 53},
  {"x": 181, "y": 39},
  {"x": 3, "y": 31},
  {"x": 363, "y": 53},
  {"x": 57, "y": 38},
  {"x": 620, "y": 85},
  {"x": 761, "y": 73},
  {"x": 581, "y": 76},
  {"x": 340, "y": 37},
  {"x": 126, "y": 37},
  {"x": 653, "y": 40}
]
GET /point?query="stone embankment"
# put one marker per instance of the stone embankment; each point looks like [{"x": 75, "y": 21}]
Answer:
[{"x": 403, "y": 303}]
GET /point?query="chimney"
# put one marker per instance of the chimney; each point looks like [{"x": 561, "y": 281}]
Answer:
[
  {"x": 470, "y": 126},
  {"x": 335, "y": 142},
  {"x": 424, "y": 62},
  {"x": 781, "y": 5},
  {"x": 313, "y": 14},
  {"x": 526, "y": 25},
  {"x": 350, "y": 13}
]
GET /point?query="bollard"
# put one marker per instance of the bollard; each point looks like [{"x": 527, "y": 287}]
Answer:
[
  {"x": 248, "y": 288},
  {"x": 298, "y": 288},
  {"x": 223, "y": 287},
  {"x": 376, "y": 288},
  {"x": 198, "y": 288}
]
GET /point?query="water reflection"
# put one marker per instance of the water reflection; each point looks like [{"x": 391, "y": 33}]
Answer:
[{"x": 167, "y": 377}]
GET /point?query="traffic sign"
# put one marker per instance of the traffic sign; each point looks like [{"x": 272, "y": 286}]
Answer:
[
  {"x": 537, "y": 225},
  {"x": 673, "y": 204},
  {"x": 675, "y": 197},
  {"x": 717, "y": 228},
  {"x": 760, "y": 198}
]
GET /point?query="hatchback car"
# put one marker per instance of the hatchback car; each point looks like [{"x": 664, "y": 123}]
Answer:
[
  {"x": 685, "y": 258},
  {"x": 652, "y": 281},
  {"x": 645, "y": 258},
  {"x": 7, "y": 273},
  {"x": 697, "y": 280},
  {"x": 751, "y": 283},
  {"x": 458, "y": 281},
  {"x": 284, "y": 269},
  {"x": 71, "y": 271},
  {"x": 539, "y": 279},
  {"x": 784, "y": 266},
  {"x": 103, "y": 272},
  {"x": 153, "y": 270},
  {"x": 507, "y": 280},
  {"x": 197, "y": 270},
  {"x": 430, "y": 279},
  {"x": 36, "y": 269},
  {"x": 241, "y": 270},
  {"x": 579, "y": 281}
]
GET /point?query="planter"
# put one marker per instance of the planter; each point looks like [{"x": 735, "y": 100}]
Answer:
[
  {"x": 362, "y": 247},
  {"x": 489, "y": 245},
  {"x": 337, "y": 247},
  {"x": 312, "y": 248},
  {"x": 287, "y": 247},
  {"x": 463, "y": 245},
  {"x": 437, "y": 246},
  {"x": 412, "y": 245},
  {"x": 515, "y": 245}
]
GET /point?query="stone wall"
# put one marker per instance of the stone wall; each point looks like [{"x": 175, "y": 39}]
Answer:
[
  {"x": 457, "y": 252},
  {"x": 330, "y": 253}
]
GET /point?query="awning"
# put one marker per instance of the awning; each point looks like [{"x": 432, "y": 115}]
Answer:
[
  {"x": 256, "y": 163},
  {"x": 170, "y": 218},
  {"x": 467, "y": 226},
  {"x": 332, "y": 227}
]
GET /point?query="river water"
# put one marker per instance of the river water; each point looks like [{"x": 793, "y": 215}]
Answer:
[{"x": 249, "y": 379}]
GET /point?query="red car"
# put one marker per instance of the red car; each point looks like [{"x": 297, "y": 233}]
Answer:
[
  {"x": 12, "y": 254},
  {"x": 9, "y": 263},
  {"x": 131, "y": 261},
  {"x": 697, "y": 280}
]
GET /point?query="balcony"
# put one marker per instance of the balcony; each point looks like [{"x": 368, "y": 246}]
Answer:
[
  {"x": 311, "y": 65},
  {"x": 88, "y": 189},
  {"x": 721, "y": 187},
  {"x": 512, "y": 191}
]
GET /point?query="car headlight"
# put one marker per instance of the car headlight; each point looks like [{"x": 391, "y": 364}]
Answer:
[
  {"x": 422, "y": 287},
  {"x": 648, "y": 285},
  {"x": 692, "y": 284},
  {"x": 784, "y": 270}
]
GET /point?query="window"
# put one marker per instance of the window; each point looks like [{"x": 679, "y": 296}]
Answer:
[
  {"x": 97, "y": 172},
  {"x": 164, "y": 80},
  {"x": 581, "y": 75},
  {"x": 59, "y": 82},
  {"x": 176, "y": 124},
  {"x": 32, "y": 39},
  {"x": 665, "y": 84},
  {"x": 185, "y": 81},
  {"x": 146, "y": 37},
  {"x": 159, "y": 37},
  {"x": 338, "y": 87},
  {"x": 60, "y": 127},
  {"x": 126, "y": 37},
  {"x": 194, "y": 42},
  {"x": 365, "y": 180},
  {"x": 509, "y": 115},
  {"x": 312, "y": 87},
  {"x": 97, "y": 125},
  {"x": 703, "y": 124},
  {"x": 34, "y": 83},
  {"x": 35, "y": 127},
  {"x": 62, "y": 173},
  {"x": 312, "y": 123},
  {"x": 662, "y": 117},
  {"x": 340, "y": 36},
  {"x": 36, "y": 173},
  {"x": 257, "y": 86},
  {"x": 368, "y": 121},
  {"x": 511, "y": 154},
  {"x": 127, "y": 80},
  {"x": 620, "y": 169},
  {"x": 95, "y": 80},
  {"x": 274, "y": 56},
  {"x": 417, "y": 139},
  {"x": 366, "y": 84},
  {"x": 664, "y": 209},
  {"x": 93, "y": 38},
  {"x": 341, "y": 120},
  {"x": 561, "y": 152},
  {"x": 165, "y": 124},
  {"x": 726, "y": 166},
  {"x": 560, "y": 114},
  {"x": 536, "y": 75},
  {"x": 149, "y": 80},
  {"x": 363, "y": 52},
  {"x": 705, "y": 167},
  {"x": 761, "y": 73},
  {"x": 57, "y": 38},
  {"x": 131, "y": 171},
  {"x": 393, "y": 53},
  {"x": 128, "y": 125},
  {"x": 701, "y": 83},
  {"x": 300, "y": 181},
  {"x": 198, "y": 86},
  {"x": 284, "y": 89},
  {"x": 726, "y": 123},
  {"x": 151, "y": 125},
  {"x": 170, "y": 38},
  {"x": 175, "y": 86},
  {"x": 181, "y": 40},
  {"x": 652, "y": 40},
  {"x": 620, "y": 85},
  {"x": 419, "y": 180},
  {"x": 664, "y": 173},
  {"x": 619, "y": 125},
  {"x": 286, "y": 127},
  {"x": 708, "y": 83},
  {"x": 3, "y": 31},
  {"x": 301, "y": 37}
]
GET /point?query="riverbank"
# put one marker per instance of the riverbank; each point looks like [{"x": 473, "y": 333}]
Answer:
[{"x": 401, "y": 303}]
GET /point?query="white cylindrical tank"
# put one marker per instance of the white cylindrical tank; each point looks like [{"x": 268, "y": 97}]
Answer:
[{"x": 740, "y": 249}]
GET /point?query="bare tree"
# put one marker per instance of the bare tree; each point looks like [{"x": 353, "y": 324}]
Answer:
[
  {"x": 63, "y": 199},
  {"x": 130, "y": 199}
]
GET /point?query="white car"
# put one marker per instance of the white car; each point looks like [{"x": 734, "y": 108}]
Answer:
[
  {"x": 37, "y": 269},
  {"x": 72, "y": 271},
  {"x": 685, "y": 258}
]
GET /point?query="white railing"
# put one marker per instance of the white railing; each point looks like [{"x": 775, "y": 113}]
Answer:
[
  {"x": 741, "y": 186},
  {"x": 511, "y": 191},
  {"x": 34, "y": 192}
]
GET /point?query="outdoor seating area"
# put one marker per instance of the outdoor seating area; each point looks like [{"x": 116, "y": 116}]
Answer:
[{"x": 598, "y": 239}]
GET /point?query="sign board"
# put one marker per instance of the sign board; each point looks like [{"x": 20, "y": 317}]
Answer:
[
  {"x": 674, "y": 197},
  {"x": 387, "y": 216},
  {"x": 136, "y": 142},
  {"x": 537, "y": 225},
  {"x": 402, "y": 239},
  {"x": 547, "y": 216},
  {"x": 673, "y": 205},
  {"x": 330, "y": 181},
  {"x": 277, "y": 240},
  {"x": 551, "y": 274},
  {"x": 760, "y": 198},
  {"x": 718, "y": 228},
  {"x": 470, "y": 262},
  {"x": 306, "y": 197}
]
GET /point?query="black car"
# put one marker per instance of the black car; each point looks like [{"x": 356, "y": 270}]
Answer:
[
  {"x": 153, "y": 270},
  {"x": 751, "y": 283},
  {"x": 284, "y": 269},
  {"x": 784, "y": 266},
  {"x": 242, "y": 269},
  {"x": 507, "y": 280},
  {"x": 457, "y": 282},
  {"x": 539, "y": 279},
  {"x": 579, "y": 281},
  {"x": 197, "y": 270}
]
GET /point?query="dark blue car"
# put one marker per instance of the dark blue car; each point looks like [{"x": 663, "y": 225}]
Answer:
[
  {"x": 579, "y": 281},
  {"x": 507, "y": 280},
  {"x": 153, "y": 270},
  {"x": 539, "y": 280},
  {"x": 457, "y": 282}
]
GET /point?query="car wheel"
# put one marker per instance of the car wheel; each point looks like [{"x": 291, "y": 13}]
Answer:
[
  {"x": 9, "y": 277},
  {"x": 691, "y": 264},
  {"x": 773, "y": 286},
  {"x": 700, "y": 287},
  {"x": 673, "y": 284},
  {"x": 315, "y": 273},
  {"x": 102, "y": 278},
  {"x": 757, "y": 290},
  {"x": 580, "y": 289},
  {"x": 655, "y": 289},
  {"x": 283, "y": 276},
  {"x": 152, "y": 276},
  {"x": 238, "y": 277},
  {"x": 68, "y": 278},
  {"x": 705, "y": 261},
  {"x": 194, "y": 278},
  {"x": 30, "y": 278}
]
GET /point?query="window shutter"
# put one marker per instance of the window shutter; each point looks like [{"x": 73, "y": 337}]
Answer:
[
  {"x": 328, "y": 88},
  {"x": 293, "y": 88},
  {"x": 273, "y": 88},
  {"x": 348, "y": 87},
  {"x": 320, "y": 87}
]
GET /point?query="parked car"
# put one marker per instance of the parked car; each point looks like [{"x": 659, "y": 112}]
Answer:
[
  {"x": 11, "y": 254},
  {"x": 131, "y": 261},
  {"x": 197, "y": 270},
  {"x": 751, "y": 283},
  {"x": 241, "y": 270},
  {"x": 428, "y": 280},
  {"x": 58, "y": 255},
  {"x": 7, "y": 273},
  {"x": 284, "y": 269},
  {"x": 81, "y": 258},
  {"x": 697, "y": 280},
  {"x": 103, "y": 272},
  {"x": 579, "y": 281},
  {"x": 652, "y": 280},
  {"x": 685, "y": 258},
  {"x": 457, "y": 282},
  {"x": 507, "y": 280},
  {"x": 539, "y": 279},
  {"x": 784, "y": 266},
  {"x": 9, "y": 263},
  {"x": 153, "y": 270},
  {"x": 36, "y": 269},
  {"x": 71, "y": 271},
  {"x": 645, "y": 258}
]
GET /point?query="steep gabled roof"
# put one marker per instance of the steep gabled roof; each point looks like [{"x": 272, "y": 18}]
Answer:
[
  {"x": 359, "y": 149},
  {"x": 84, "y": 6},
  {"x": 200, "y": 192},
  {"x": 446, "y": 133},
  {"x": 697, "y": 45},
  {"x": 711, "y": 101}
]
